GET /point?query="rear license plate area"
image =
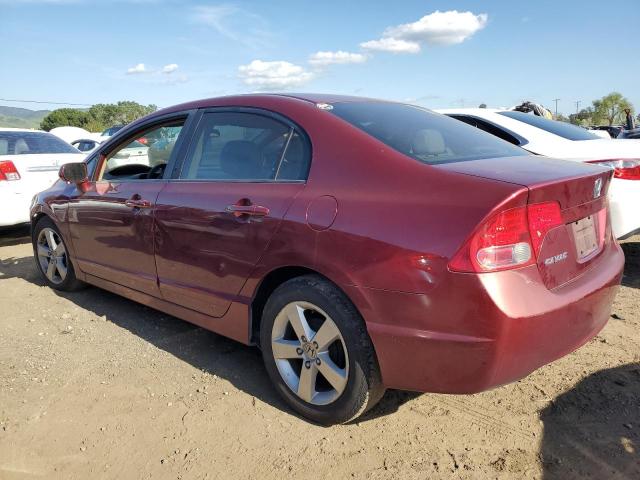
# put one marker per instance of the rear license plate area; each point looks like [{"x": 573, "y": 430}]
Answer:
[{"x": 586, "y": 239}]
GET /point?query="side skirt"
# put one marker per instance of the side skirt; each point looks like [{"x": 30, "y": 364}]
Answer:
[{"x": 233, "y": 325}]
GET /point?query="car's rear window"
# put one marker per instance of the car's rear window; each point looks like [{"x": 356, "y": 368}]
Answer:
[
  {"x": 562, "y": 129},
  {"x": 112, "y": 131},
  {"x": 421, "y": 134},
  {"x": 30, "y": 143}
]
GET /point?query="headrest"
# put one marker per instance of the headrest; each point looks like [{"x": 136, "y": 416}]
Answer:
[
  {"x": 240, "y": 159},
  {"x": 428, "y": 142},
  {"x": 21, "y": 147}
]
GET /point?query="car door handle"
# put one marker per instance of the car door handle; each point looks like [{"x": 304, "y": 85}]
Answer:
[
  {"x": 138, "y": 203},
  {"x": 252, "y": 210}
]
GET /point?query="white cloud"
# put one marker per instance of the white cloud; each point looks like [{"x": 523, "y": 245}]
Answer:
[
  {"x": 440, "y": 28},
  {"x": 172, "y": 67},
  {"x": 392, "y": 45},
  {"x": 139, "y": 68},
  {"x": 215, "y": 16},
  {"x": 272, "y": 75},
  {"x": 437, "y": 28},
  {"x": 234, "y": 23},
  {"x": 322, "y": 59}
]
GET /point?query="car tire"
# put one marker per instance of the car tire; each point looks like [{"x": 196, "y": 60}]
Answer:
[
  {"x": 51, "y": 255},
  {"x": 329, "y": 375}
]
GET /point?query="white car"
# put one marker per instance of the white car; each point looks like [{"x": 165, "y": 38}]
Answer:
[
  {"x": 29, "y": 163},
  {"x": 109, "y": 132},
  {"x": 86, "y": 145},
  {"x": 562, "y": 140},
  {"x": 601, "y": 134},
  {"x": 135, "y": 153}
]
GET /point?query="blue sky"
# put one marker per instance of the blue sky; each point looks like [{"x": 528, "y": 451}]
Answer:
[{"x": 166, "y": 52}]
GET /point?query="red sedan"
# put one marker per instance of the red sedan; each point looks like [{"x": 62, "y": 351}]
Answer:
[{"x": 361, "y": 244}]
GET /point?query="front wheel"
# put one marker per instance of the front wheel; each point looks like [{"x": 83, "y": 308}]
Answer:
[
  {"x": 52, "y": 257},
  {"x": 317, "y": 351}
]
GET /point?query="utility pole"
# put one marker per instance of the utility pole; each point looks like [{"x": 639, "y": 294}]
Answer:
[
  {"x": 556, "y": 100},
  {"x": 578, "y": 102}
]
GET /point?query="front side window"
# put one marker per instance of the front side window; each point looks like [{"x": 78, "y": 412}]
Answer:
[
  {"x": 562, "y": 129},
  {"x": 245, "y": 146},
  {"x": 143, "y": 156},
  {"x": 423, "y": 135},
  {"x": 32, "y": 143}
]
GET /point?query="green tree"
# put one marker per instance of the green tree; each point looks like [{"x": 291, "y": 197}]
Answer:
[
  {"x": 582, "y": 117},
  {"x": 64, "y": 117},
  {"x": 106, "y": 115},
  {"x": 610, "y": 108},
  {"x": 98, "y": 117}
]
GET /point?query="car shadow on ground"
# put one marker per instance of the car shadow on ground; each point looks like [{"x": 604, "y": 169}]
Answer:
[
  {"x": 208, "y": 352},
  {"x": 593, "y": 430},
  {"x": 631, "y": 277},
  {"x": 10, "y": 236}
]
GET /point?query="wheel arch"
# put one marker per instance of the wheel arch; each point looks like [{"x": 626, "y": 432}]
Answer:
[
  {"x": 36, "y": 218},
  {"x": 273, "y": 280}
]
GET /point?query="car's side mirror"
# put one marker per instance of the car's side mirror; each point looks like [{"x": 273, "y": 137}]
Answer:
[{"x": 75, "y": 172}]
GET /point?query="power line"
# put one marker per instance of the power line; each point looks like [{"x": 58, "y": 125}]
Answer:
[{"x": 47, "y": 103}]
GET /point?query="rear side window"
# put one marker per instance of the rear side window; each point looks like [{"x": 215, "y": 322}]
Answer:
[
  {"x": 562, "y": 129},
  {"x": 423, "y": 135},
  {"x": 246, "y": 146},
  {"x": 31, "y": 143}
]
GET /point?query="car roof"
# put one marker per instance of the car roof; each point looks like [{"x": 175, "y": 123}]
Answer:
[
  {"x": 470, "y": 111},
  {"x": 281, "y": 98}
]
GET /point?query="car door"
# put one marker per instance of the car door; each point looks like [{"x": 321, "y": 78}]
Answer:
[
  {"x": 111, "y": 221},
  {"x": 243, "y": 169}
]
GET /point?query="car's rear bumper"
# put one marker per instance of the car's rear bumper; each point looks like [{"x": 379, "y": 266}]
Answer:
[
  {"x": 15, "y": 205},
  {"x": 486, "y": 330},
  {"x": 624, "y": 198}
]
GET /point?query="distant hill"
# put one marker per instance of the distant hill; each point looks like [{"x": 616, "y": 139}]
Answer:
[{"x": 21, "y": 117}]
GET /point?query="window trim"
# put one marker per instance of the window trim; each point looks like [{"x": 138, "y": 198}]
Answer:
[
  {"x": 131, "y": 131},
  {"x": 296, "y": 128}
]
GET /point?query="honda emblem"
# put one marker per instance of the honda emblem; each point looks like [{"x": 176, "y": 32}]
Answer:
[{"x": 597, "y": 188}]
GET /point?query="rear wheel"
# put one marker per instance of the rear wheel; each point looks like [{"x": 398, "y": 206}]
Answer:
[
  {"x": 52, "y": 257},
  {"x": 317, "y": 351}
]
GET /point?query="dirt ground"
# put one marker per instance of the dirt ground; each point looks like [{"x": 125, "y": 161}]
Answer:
[{"x": 95, "y": 386}]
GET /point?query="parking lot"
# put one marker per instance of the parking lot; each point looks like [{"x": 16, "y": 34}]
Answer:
[{"x": 96, "y": 385}]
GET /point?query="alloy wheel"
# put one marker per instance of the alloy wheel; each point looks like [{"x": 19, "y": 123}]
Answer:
[
  {"x": 52, "y": 255},
  {"x": 310, "y": 353}
]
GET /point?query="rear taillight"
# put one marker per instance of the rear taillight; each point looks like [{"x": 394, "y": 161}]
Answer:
[
  {"x": 542, "y": 218},
  {"x": 8, "y": 171},
  {"x": 508, "y": 239},
  {"x": 627, "y": 168}
]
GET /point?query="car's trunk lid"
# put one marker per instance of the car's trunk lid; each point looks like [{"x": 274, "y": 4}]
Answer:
[{"x": 580, "y": 190}]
